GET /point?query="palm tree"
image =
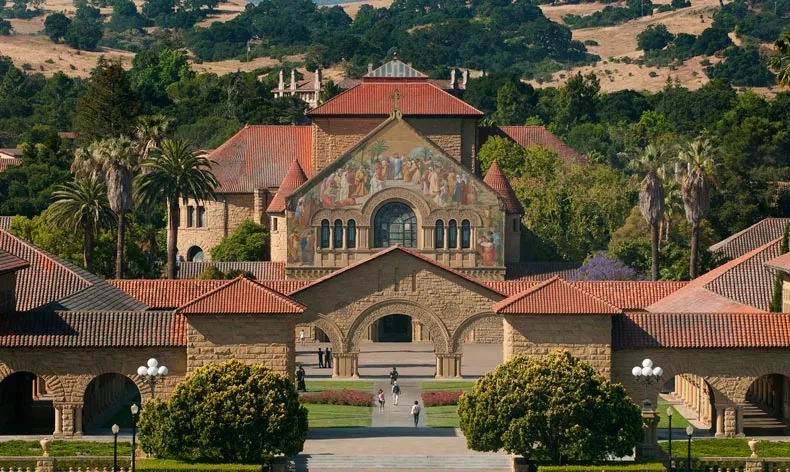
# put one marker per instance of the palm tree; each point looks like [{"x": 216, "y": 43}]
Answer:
[
  {"x": 673, "y": 204},
  {"x": 82, "y": 204},
  {"x": 150, "y": 131},
  {"x": 174, "y": 173},
  {"x": 698, "y": 156},
  {"x": 780, "y": 64},
  {"x": 118, "y": 159},
  {"x": 651, "y": 195}
]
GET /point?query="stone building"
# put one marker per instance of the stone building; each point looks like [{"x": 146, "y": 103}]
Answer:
[{"x": 382, "y": 230}]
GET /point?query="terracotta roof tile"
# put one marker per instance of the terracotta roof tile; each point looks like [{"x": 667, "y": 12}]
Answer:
[
  {"x": 51, "y": 283},
  {"x": 292, "y": 180},
  {"x": 93, "y": 329},
  {"x": 700, "y": 330},
  {"x": 258, "y": 157},
  {"x": 286, "y": 287},
  {"x": 6, "y": 163},
  {"x": 11, "y": 153},
  {"x": 242, "y": 296},
  {"x": 751, "y": 238},
  {"x": 554, "y": 296},
  {"x": 533, "y": 135},
  {"x": 376, "y": 99},
  {"x": 542, "y": 270},
  {"x": 780, "y": 263},
  {"x": 749, "y": 281},
  {"x": 164, "y": 294},
  {"x": 11, "y": 263},
  {"x": 629, "y": 295},
  {"x": 5, "y": 222},
  {"x": 497, "y": 180},
  {"x": 262, "y": 270}
]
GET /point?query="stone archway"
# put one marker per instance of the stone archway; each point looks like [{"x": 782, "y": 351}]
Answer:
[
  {"x": 466, "y": 327},
  {"x": 347, "y": 362}
]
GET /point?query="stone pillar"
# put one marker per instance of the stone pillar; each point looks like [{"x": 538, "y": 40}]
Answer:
[
  {"x": 78, "y": 421},
  {"x": 58, "y": 421},
  {"x": 345, "y": 365},
  {"x": 448, "y": 365},
  {"x": 730, "y": 422},
  {"x": 45, "y": 464},
  {"x": 739, "y": 421},
  {"x": 67, "y": 417},
  {"x": 720, "y": 422},
  {"x": 753, "y": 465},
  {"x": 649, "y": 448}
]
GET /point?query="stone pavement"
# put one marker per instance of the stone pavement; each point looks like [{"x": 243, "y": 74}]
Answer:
[{"x": 399, "y": 416}]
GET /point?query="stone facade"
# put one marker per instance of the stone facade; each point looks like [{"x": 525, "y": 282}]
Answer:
[{"x": 255, "y": 339}]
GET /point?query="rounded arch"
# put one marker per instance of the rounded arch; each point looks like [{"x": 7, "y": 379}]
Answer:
[
  {"x": 53, "y": 382},
  {"x": 437, "y": 329},
  {"x": 460, "y": 214},
  {"x": 82, "y": 383},
  {"x": 332, "y": 331},
  {"x": 395, "y": 223},
  {"x": 412, "y": 199},
  {"x": 195, "y": 254},
  {"x": 466, "y": 326},
  {"x": 26, "y": 407},
  {"x": 106, "y": 398}
]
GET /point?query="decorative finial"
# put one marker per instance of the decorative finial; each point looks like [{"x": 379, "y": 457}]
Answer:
[{"x": 395, "y": 56}]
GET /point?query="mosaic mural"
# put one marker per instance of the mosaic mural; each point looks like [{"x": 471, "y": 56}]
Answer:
[{"x": 397, "y": 157}]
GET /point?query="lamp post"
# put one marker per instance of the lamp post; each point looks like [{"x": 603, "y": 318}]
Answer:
[
  {"x": 648, "y": 375},
  {"x": 670, "y": 410},
  {"x": 153, "y": 372},
  {"x": 689, "y": 432},
  {"x": 135, "y": 409},
  {"x": 115, "y": 430}
]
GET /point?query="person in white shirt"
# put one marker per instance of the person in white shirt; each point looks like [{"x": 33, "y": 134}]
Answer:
[
  {"x": 395, "y": 393},
  {"x": 301, "y": 337},
  {"x": 415, "y": 412}
]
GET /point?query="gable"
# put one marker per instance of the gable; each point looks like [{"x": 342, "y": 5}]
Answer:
[{"x": 393, "y": 156}]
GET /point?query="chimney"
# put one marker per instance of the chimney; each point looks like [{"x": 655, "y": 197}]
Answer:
[
  {"x": 282, "y": 80},
  {"x": 370, "y": 67},
  {"x": 464, "y": 79},
  {"x": 293, "y": 79},
  {"x": 318, "y": 79},
  {"x": 452, "y": 79}
]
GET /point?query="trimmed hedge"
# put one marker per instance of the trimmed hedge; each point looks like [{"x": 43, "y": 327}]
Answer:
[
  {"x": 158, "y": 465},
  {"x": 646, "y": 467}
]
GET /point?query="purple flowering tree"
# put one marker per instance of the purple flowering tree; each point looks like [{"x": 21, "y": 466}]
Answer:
[{"x": 600, "y": 266}]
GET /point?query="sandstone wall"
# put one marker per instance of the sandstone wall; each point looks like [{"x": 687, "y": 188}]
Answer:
[
  {"x": 222, "y": 217},
  {"x": 259, "y": 338},
  {"x": 487, "y": 331},
  {"x": 278, "y": 239}
]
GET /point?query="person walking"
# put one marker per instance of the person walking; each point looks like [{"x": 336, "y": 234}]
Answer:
[
  {"x": 395, "y": 393},
  {"x": 328, "y": 358},
  {"x": 393, "y": 375},
  {"x": 320, "y": 358},
  {"x": 300, "y": 375},
  {"x": 381, "y": 400},
  {"x": 301, "y": 337},
  {"x": 415, "y": 412}
]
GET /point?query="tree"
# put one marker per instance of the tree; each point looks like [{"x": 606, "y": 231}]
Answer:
[
  {"x": 5, "y": 27},
  {"x": 780, "y": 63},
  {"x": 655, "y": 37},
  {"x": 109, "y": 107},
  {"x": 82, "y": 205},
  {"x": 228, "y": 412},
  {"x": 600, "y": 266},
  {"x": 651, "y": 196},
  {"x": 507, "y": 153},
  {"x": 86, "y": 30},
  {"x": 577, "y": 100},
  {"x": 550, "y": 408},
  {"x": 248, "y": 242},
  {"x": 175, "y": 174},
  {"x": 150, "y": 131},
  {"x": 696, "y": 184},
  {"x": 56, "y": 26}
]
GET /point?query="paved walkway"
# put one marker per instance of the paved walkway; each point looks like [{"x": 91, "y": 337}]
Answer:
[{"x": 400, "y": 415}]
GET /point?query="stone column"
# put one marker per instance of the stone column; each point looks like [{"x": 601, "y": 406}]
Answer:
[
  {"x": 720, "y": 422},
  {"x": 345, "y": 365},
  {"x": 58, "y": 421},
  {"x": 448, "y": 365},
  {"x": 67, "y": 418},
  {"x": 78, "y": 420},
  {"x": 739, "y": 421},
  {"x": 730, "y": 422}
]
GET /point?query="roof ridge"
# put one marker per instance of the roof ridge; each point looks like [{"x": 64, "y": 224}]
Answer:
[
  {"x": 736, "y": 262},
  {"x": 554, "y": 280},
  {"x": 344, "y": 92},
  {"x": 243, "y": 280},
  {"x": 454, "y": 97},
  {"x": 734, "y": 237},
  {"x": 60, "y": 261}
]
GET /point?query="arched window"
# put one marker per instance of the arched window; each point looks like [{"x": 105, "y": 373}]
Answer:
[
  {"x": 195, "y": 254},
  {"x": 452, "y": 234},
  {"x": 439, "y": 243},
  {"x": 338, "y": 234},
  {"x": 466, "y": 234},
  {"x": 395, "y": 223},
  {"x": 351, "y": 234},
  {"x": 324, "y": 234}
]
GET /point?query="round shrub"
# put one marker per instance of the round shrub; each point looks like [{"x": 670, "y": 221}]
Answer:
[{"x": 226, "y": 413}]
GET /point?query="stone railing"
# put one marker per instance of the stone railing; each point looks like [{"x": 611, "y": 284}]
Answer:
[
  {"x": 732, "y": 464},
  {"x": 62, "y": 464}
]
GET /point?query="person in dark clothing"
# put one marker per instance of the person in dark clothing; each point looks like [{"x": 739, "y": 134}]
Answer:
[
  {"x": 300, "y": 374},
  {"x": 320, "y": 358},
  {"x": 328, "y": 358},
  {"x": 393, "y": 375}
]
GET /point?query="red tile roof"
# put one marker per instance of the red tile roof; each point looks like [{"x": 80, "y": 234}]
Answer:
[
  {"x": 629, "y": 295},
  {"x": 749, "y": 281},
  {"x": 542, "y": 270},
  {"x": 164, "y": 294},
  {"x": 292, "y": 180},
  {"x": 259, "y": 157},
  {"x": 11, "y": 263},
  {"x": 533, "y": 135},
  {"x": 376, "y": 99},
  {"x": 389, "y": 250},
  {"x": 554, "y": 296},
  {"x": 780, "y": 263},
  {"x": 751, "y": 238},
  {"x": 6, "y": 163},
  {"x": 286, "y": 287},
  {"x": 497, "y": 180},
  {"x": 112, "y": 329},
  {"x": 700, "y": 330},
  {"x": 242, "y": 296},
  {"x": 262, "y": 270}
]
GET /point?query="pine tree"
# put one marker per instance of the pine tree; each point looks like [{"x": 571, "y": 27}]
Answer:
[{"x": 109, "y": 108}]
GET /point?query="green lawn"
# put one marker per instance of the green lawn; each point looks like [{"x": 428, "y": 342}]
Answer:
[
  {"x": 442, "y": 416},
  {"x": 63, "y": 448},
  {"x": 677, "y": 420},
  {"x": 321, "y": 385},
  {"x": 159, "y": 465},
  {"x": 338, "y": 416},
  {"x": 447, "y": 385},
  {"x": 729, "y": 447}
]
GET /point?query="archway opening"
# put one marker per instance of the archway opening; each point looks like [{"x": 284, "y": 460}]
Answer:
[
  {"x": 399, "y": 341},
  {"x": 106, "y": 402},
  {"x": 392, "y": 329},
  {"x": 767, "y": 409},
  {"x": 25, "y": 405},
  {"x": 692, "y": 402},
  {"x": 195, "y": 254},
  {"x": 481, "y": 345}
]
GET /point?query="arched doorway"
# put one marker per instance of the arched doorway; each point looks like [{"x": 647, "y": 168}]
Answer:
[
  {"x": 692, "y": 401},
  {"x": 106, "y": 402},
  {"x": 25, "y": 405},
  {"x": 392, "y": 329},
  {"x": 395, "y": 223},
  {"x": 767, "y": 407},
  {"x": 480, "y": 342},
  {"x": 195, "y": 254}
]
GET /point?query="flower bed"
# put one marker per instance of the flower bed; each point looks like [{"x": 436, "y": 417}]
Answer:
[
  {"x": 338, "y": 397},
  {"x": 441, "y": 397}
]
